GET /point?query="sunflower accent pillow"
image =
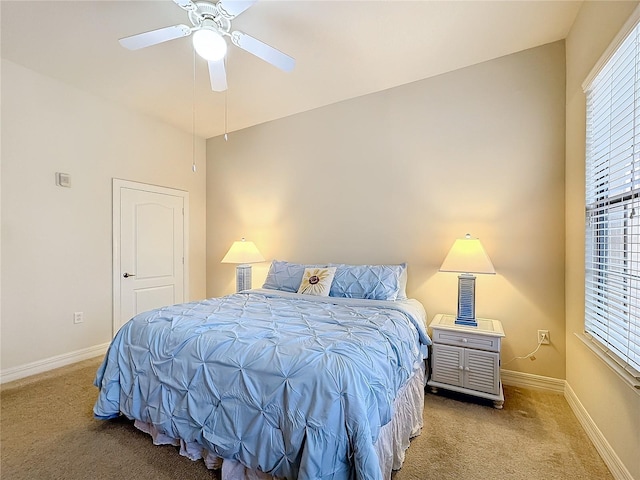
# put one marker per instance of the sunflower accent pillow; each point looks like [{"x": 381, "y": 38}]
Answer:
[{"x": 317, "y": 281}]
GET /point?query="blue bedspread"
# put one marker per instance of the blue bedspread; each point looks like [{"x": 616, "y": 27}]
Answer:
[{"x": 296, "y": 386}]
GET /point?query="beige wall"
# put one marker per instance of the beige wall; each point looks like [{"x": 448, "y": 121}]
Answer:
[
  {"x": 612, "y": 404},
  {"x": 56, "y": 242},
  {"x": 398, "y": 175}
]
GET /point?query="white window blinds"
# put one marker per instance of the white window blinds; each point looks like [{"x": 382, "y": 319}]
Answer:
[{"x": 612, "y": 280}]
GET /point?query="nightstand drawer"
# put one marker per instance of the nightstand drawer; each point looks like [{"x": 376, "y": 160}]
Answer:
[{"x": 467, "y": 340}]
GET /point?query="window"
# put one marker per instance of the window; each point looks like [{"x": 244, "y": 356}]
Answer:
[{"x": 612, "y": 263}]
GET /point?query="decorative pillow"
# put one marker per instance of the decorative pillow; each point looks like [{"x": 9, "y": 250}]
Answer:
[
  {"x": 375, "y": 282},
  {"x": 317, "y": 281},
  {"x": 285, "y": 276}
]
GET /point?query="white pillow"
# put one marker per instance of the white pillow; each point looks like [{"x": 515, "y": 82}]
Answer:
[{"x": 317, "y": 281}]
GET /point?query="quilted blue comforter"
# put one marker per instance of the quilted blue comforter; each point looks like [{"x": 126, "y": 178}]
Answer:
[{"x": 295, "y": 386}]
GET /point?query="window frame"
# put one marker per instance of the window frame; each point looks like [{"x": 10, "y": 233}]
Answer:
[{"x": 603, "y": 204}]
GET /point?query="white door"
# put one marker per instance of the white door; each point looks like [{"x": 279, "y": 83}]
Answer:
[{"x": 149, "y": 253}]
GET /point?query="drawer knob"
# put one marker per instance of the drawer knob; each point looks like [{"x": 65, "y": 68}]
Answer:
[{"x": 464, "y": 340}]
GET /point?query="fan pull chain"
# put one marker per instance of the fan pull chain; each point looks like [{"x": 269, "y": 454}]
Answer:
[
  {"x": 225, "y": 115},
  {"x": 193, "y": 116}
]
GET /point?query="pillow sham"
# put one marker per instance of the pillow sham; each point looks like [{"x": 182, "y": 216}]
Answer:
[
  {"x": 317, "y": 281},
  {"x": 375, "y": 282},
  {"x": 286, "y": 276},
  {"x": 402, "y": 291}
]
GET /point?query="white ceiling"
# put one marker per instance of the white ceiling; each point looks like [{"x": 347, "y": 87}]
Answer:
[{"x": 343, "y": 49}]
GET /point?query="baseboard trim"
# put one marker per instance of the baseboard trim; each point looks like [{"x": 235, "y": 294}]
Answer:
[
  {"x": 529, "y": 380},
  {"x": 22, "y": 371},
  {"x": 616, "y": 467}
]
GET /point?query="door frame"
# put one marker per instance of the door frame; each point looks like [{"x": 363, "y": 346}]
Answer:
[{"x": 118, "y": 185}]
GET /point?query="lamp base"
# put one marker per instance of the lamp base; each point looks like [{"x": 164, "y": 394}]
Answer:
[
  {"x": 243, "y": 277},
  {"x": 466, "y": 300},
  {"x": 469, "y": 323}
]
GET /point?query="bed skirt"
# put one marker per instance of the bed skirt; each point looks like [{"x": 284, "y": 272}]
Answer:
[{"x": 393, "y": 440}]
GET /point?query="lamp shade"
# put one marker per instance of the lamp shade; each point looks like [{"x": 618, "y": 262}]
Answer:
[
  {"x": 242, "y": 252},
  {"x": 467, "y": 256}
]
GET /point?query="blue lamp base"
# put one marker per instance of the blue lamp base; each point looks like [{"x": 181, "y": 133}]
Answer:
[
  {"x": 466, "y": 300},
  {"x": 243, "y": 277}
]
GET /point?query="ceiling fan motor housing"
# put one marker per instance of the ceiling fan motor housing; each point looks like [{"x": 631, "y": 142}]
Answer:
[{"x": 209, "y": 14}]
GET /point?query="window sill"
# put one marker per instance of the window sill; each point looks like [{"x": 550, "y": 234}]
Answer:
[{"x": 630, "y": 379}]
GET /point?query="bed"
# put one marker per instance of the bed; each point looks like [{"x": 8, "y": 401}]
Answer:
[{"x": 272, "y": 383}]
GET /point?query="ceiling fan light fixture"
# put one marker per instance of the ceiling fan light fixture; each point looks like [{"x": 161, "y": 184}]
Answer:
[{"x": 209, "y": 44}]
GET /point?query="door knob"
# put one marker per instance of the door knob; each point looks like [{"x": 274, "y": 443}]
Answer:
[{"x": 127, "y": 275}]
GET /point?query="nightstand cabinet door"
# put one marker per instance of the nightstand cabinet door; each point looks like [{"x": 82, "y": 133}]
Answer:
[
  {"x": 482, "y": 371},
  {"x": 447, "y": 365},
  {"x": 472, "y": 369}
]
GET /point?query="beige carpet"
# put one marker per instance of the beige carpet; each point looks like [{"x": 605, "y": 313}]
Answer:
[{"x": 48, "y": 432}]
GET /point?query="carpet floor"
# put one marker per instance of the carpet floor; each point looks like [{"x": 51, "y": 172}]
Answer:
[{"x": 47, "y": 431}]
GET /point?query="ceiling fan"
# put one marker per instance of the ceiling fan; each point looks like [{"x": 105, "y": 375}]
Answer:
[{"x": 211, "y": 22}]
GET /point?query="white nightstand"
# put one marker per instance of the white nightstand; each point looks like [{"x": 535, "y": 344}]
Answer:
[{"x": 467, "y": 359}]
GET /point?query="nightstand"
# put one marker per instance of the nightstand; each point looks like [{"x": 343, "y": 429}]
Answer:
[{"x": 466, "y": 359}]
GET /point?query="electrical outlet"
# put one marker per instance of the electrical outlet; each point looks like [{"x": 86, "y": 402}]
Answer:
[
  {"x": 78, "y": 317},
  {"x": 543, "y": 337}
]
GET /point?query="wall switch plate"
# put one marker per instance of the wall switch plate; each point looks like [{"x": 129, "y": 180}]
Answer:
[
  {"x": 78, "y": 317},
  {"x": 543, "y": 337},
  {"x": 63, "y": 179}
]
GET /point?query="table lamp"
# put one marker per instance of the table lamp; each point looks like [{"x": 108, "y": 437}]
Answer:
[
  {"x": 243, "y": 253},
  {"x": 467, "y": 256}
]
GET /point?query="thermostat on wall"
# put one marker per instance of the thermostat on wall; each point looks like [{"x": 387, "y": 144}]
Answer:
[{"x": 63, "y": 179}]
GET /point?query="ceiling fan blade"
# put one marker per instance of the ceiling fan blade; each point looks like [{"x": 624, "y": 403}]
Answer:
[
  {"x": 187, "y": 5},
  {"x": 232, "y": 8},
  {"x": 217, "y": 76},
  {"x": 154, "y": 37},
  {"x": 262, "y": 50}
]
